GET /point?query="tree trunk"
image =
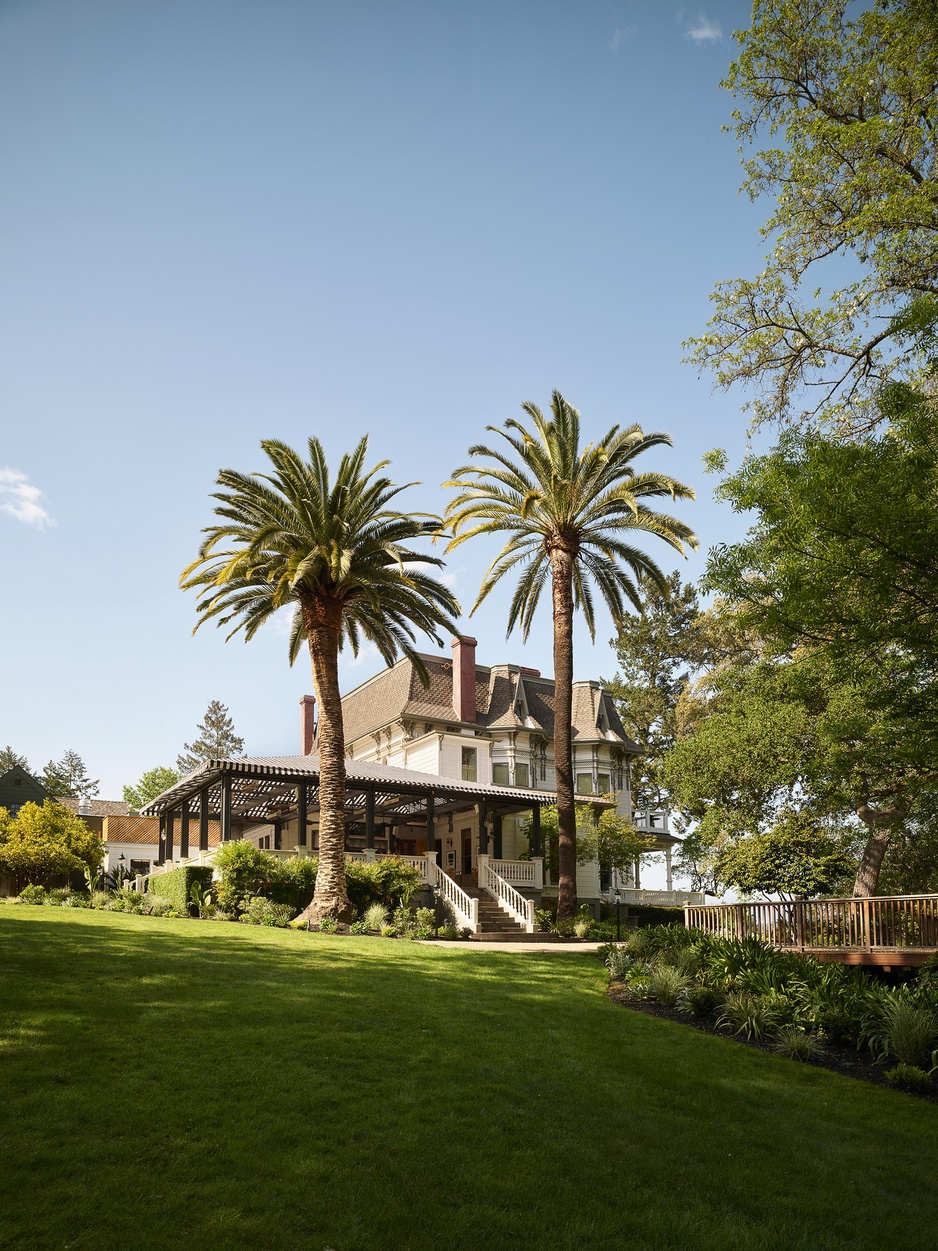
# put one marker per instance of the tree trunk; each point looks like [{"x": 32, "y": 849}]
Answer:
[
  {"x": 880, "y": 827},
  {"x": 323, "y": 620},
  {"x": 561, "y": 562}
]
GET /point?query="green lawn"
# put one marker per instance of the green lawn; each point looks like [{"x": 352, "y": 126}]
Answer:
[{"x": 177, "y": 1084}]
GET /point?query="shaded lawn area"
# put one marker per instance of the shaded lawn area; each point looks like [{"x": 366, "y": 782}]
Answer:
[{"x": 175, "y": 1084}]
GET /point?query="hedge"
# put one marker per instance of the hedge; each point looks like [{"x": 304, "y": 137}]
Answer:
[{"x": 176, "y": 884}]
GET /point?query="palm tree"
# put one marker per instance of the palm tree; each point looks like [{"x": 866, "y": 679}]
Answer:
[
  {"x": 334, "y": 551},
  {"x": 572, "y": 514}
]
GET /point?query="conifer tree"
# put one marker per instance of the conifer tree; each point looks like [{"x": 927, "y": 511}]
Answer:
[
  {"x": 68, "y": 778},
  {"x": 216, "y": 740},
  {"x": 9, "y": 759}
]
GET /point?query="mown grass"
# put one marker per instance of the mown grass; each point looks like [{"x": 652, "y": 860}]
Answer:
[{"x": 176, "y": 1084}]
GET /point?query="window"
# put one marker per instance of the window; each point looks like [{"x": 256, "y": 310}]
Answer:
[
  {"x": 602, "y": 783},
  {"x": 521, "y": 775},
  {"x": 469, "y": 764},
  {"x": 584, "y": 783},
  {"x": 139, "y": 866},
  {"x": 500, "y": 775}
]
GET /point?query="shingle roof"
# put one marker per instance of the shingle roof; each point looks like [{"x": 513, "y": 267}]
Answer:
[
  {"x": 398, "y": 693},
  {"x": 99, "y": 807}
]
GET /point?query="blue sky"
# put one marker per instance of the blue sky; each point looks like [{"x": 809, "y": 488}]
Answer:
[{"x": 225, "y": 221}]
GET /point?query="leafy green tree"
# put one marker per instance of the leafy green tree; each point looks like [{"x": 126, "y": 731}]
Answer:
[
  {"x": 846, "y": 108},
  {"x": 9, "y": 759},
  {"x": 68, "y": 778},
  {"x": 41, "y": 842},
  {"x": 612, "y": 839},
  {"x": 656, "y": 651},
  {"x": 572, "y": 515},
  {"x": 337, "y": 553},
  {"x": 216, "y": 740},
  {"x": 797, "y": 857},
  {"x": 150, "y": 784}
]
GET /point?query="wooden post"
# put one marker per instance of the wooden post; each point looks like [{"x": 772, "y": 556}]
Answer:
[
  {"x": 169, "y": 834},
  {"x": 483, "y": 828},
  {"x": 203, "y": 818},
  {"x": 431, "y": 826},
  {"x": 867, "y": 931},
  {"x": 184, "y": 831},
  {"x": 278, "y": 835},
  {"x": 301, "y": 815},
  {"x": 225, "y": 815},
  {"x": 799, "y": 923},
  {"x": 497, "y": 837},
  {"x": 370, "y": 820},
  {"x": 536, "y": 830},
  {"x": 161, "y": 853}
]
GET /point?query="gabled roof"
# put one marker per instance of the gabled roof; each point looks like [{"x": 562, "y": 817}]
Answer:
[
  {"x": 99, "y": 807},
  {"x": 398, "y": 694}
]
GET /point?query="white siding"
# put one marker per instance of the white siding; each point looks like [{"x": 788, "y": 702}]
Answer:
[{"x": 423, "y": 755}]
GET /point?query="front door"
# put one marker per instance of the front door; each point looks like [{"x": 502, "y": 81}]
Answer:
[{"x": 466, "y": 838}]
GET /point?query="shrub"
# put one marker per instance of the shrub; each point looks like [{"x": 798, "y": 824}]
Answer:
[
  {"x": 202, "y": 899},
  {"x": 909, "y": 1032},
  {"x": 747, "y": 1014},
  {"x": 793, "y": 1043},
  {"x": 389, "y": 881},
  {"x": 260, "y": 911},
  {"x": 568, "y": 928},
  {"x": 375, "y": 916},
  {"x": 700, "y": 1000},
  {"x": 47, "y": 839},
  {"x": 389, "y": 931},
  {"x": 544, "y": 919},
  {"x": 32, "y": 894},
  {"x": 449, "y": 932},
  {"x": 59, "y": 895},
  {"x": 100, "y": 899},
  {"x": 910, "y": 1077},
  {"x": 665, "y": 984},
  {"x": 176, "y": 885},
  {"x": 246, "y": 871},
  {"x": 582, "y": 927},
  {"x": 160, "y": 906},
  {"x": 328, "y": 925},
  {"x": 618, "y": 962},
  {"x": 359, "y": 927}
]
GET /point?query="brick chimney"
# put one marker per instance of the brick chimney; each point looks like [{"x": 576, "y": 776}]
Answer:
[
  {"x": 308, "y": 715},
  {"x": 464, "y": 677}
]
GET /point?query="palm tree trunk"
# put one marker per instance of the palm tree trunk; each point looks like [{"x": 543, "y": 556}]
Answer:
[
  {"x": 561, "y": 563},
  {"x": 322, "y": 620}
]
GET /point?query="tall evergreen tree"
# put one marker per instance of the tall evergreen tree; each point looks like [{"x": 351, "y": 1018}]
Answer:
[
  {"x": 216, "y": 740},
  {"x": 68, "y": 778},
  {"x": 9, "y": 759}
]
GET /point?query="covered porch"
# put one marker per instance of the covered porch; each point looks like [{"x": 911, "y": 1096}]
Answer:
[{"x": 462, "y": 837}]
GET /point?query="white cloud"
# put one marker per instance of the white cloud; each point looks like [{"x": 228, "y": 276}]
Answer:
[
  {"x": 281, "y": 622},
  {"x": 702, "y": 30},
  {"x": 619, "y": 37},
  {"x": 21, "y": 500}
]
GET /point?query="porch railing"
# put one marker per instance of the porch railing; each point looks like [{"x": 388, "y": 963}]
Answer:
[
  {"x": 465, "y": 908},
  {"x": 658, "y": 898},
  {"x": 529, "y": 873},
  {"x": 885, "y": 922},
  {"x": 505, "y": 895}
]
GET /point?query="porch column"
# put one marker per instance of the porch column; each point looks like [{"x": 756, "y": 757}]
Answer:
[
  {"x": 497, "y": 836},
  {"x": 301, "y": 814},
  {"x": 483, "y": 828},
  {"x": 184, "y": 831},
  {"x": 667, "y": 865},
  {"x": 536, "y": 830},
  {"x": 161, "y": 853},
  {"x": 638, "y": 875},
  {"x": 278, "y": 835},
  {"x": 225, "y": 819},
  {"x": 370, "y": 820},
  {"x": 169, "y": 834},
  {"x": 431, "y": 827},
  {"x": 203, "y": 818}
]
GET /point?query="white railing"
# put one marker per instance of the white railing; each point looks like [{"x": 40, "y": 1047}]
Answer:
[
  {"x": 421, "y": 863},
  {"x": 464, "y": 906},
  {"x": 505, "y": 895},
  {"x": 659, "y": 898},
  {"x": 528, "y": 873}
]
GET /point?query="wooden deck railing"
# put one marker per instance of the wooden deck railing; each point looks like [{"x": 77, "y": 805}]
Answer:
[{"x": 885, "y": 922}]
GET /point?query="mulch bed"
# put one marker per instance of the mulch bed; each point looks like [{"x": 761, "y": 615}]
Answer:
[{"x": 844, "y": 1060}]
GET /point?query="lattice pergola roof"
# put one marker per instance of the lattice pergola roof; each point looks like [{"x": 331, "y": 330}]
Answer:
[{"x": 263, "y": 788}]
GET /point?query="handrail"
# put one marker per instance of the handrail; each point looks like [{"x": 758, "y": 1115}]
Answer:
[
  {"x": 505, "y": 895},
  {"x": 520, "y": 872},
  {"x": 665, "y": 898},
  {"x": 880, "y": 922},
  {"x": 465, "y": 907}
]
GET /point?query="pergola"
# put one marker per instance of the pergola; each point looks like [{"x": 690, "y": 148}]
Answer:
[{"x": 273, "y": 790}]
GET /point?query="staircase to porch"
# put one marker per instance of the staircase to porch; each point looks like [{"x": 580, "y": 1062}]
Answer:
[{"x": 495, "y": 925}]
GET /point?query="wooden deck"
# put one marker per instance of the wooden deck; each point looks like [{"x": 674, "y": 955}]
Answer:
[{"x": 888, "y": 931}]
